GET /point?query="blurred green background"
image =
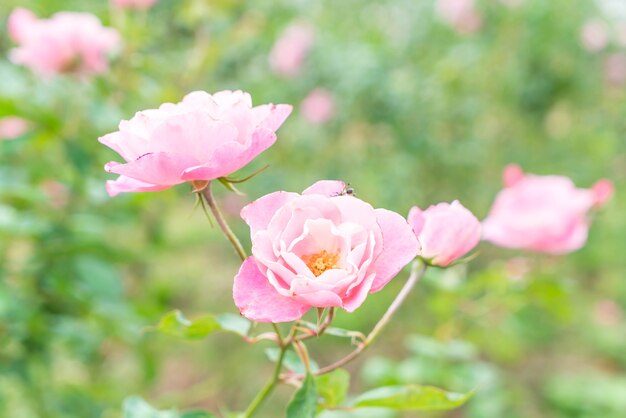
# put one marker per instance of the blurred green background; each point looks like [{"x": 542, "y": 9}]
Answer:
[{"x": 425, "y": 113}]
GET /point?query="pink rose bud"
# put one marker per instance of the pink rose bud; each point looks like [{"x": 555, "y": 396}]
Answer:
[
  {"x": 202, "y": 138},
  {"x": 133, "y": 4},
  {"x": 68, "y": 42},
  {"x": 319, "y": 249},
  {"x": 542, "y": 213},
  {"x": 446, "y": 232},
  {"x": 291, "y": 49},
  {"x": 12, "y": 127},
  {"x": 594, "y": 35},
  {"x": 318, "y": 107},
  {"x": 460, "y": 14}
]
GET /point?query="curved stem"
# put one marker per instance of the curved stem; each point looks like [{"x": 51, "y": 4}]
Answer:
[
  {"x": 269, "y": 386},
  {"x": 215, "y": 210},
  {"x": 417, "y": 272}
]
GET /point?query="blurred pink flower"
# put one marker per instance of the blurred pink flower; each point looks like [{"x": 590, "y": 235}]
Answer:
[
  {"x": 68, "y": 42},
  {"x": 318, "y": 107},
  {"x": 12, "y": 127},
  {"x": 291, "y": 49},
  {"x": 445, "y": 232},
  {"x": 542, "y": 213},
  {"x": 57, "y": 193},
  {"x": 460, "y": 14},
  {"x": 133, "y": 4},
  {"x": 594, "y": 35},
  {"x": 615, "y": 69},
  {"x": 202, "y": 138},
  {"x": 607, "y": 313},
  {"x": 318, "y": 249}
]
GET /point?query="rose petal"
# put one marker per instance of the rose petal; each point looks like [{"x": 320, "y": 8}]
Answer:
[
  {"x": 399, "y": 247},
  {"x": 326, "y": 187},
  {"x": 125, "y": 184},
  {"x": 258, "y": 301},
  {"x": 259, "y": 213},
  {"x": 158, "y": 168}
]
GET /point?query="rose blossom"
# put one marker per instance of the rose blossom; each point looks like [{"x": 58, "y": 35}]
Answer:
[
  {"x": 542, "y": 213},
  {"x": 202, "y": 138},
  {"x": 12, "y": 127},
  {"x": 445, "y": 232},
  {"x": 318, "y": 249},
  {"x": 133, "y": 4},
  {"x": 594, "y": 35},
  {"x": 318, "y": 107},
  {"x": 68, "y": 42},
  {"x": 461, "y": 14},
  {"x": 291, "y": 49}
]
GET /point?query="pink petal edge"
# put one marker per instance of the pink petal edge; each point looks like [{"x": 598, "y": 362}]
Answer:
[{"x": 258, "y": 301}]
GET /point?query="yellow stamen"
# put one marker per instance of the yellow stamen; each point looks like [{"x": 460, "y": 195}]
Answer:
[{"x": 318, "y": 263}]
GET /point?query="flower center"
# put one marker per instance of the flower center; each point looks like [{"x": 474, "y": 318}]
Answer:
[{"x": 318, "y": 263}]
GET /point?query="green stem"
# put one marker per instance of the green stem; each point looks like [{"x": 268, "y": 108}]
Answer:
[
  {"x": 268, "y": 388},
  {"x": 417, "y": 271},
  {"x": 215, "y": 210}
]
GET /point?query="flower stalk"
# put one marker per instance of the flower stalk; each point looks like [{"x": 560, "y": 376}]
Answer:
[{"x": 221, "y": 222}]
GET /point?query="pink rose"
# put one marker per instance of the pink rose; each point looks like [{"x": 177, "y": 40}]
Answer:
[
  {"x": 594, "y": 35},
  {"x": 204, "y": 137},
  {"x": 291, "y": 49},
  {"x": 133, "y": 4},
  {"x": 318, "y": 249},
  {"x": 542, "y": 213},
  {"x": 318, "y": 107},
  {"x": 445, "y": 232},
  {"x": 461, "y": 14},
  {"x": 68, "y": 42},
  {"x": 12, "y": 127}
]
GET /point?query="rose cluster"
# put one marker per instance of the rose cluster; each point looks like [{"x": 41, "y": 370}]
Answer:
[{"x": 326, "y": 248}]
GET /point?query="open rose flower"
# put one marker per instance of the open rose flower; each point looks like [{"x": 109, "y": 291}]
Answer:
[
  {"x": 202, "y": 138},
  {"x": 68, "y": 42},
  {"x": 542, "y": 213},
  {"x": 460, "y": 14},
  {"x": 318, "y": 107},
  {"x": 445, "y": 232},
  {"x": 291, "y": 49},
  {"x": 133, "y": 4},
  {"x": 319, "y": 249}
]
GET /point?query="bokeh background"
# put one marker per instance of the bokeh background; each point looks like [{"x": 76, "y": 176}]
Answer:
[{"x": 427, "y": 108}]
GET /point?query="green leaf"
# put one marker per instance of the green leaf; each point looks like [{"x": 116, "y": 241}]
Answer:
[
  {"x": 291, "y": 361},
  {"x": 234, "y": 323},
  {"x": 336, "y": 332},
  {"x": 411, "y": 398},
  {"x": 304, "y": 401},
  {"x": 333, "y": 388},
  {"x": 197, "y": 414},
  {"x": 174, "y": 323},
  {"x": 136, "y": 407}
]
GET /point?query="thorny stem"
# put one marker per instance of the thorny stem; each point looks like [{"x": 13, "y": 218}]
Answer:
[
  {"x": 417, "y": 272},
  {"x": 215, "y": 210}
]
